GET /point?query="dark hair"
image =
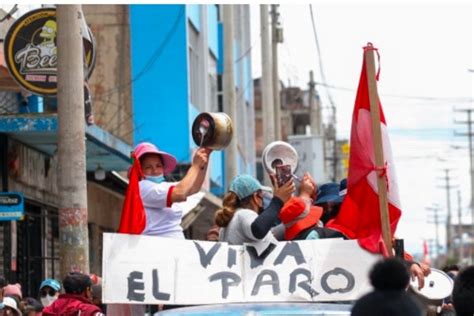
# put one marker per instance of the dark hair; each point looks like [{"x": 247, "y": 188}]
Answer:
[
  {"x": 330, "y": 210},
  {"x": 31, "y": 304},
  {"x": 389, "y": 298},
  {"x": 230, "y": 204},
  {"x": 76, "y": 283},
  {"x": 142, "y": 157},
  {"x": 97, "y": 291},
  {"x": 463, "y": 292},
  {"x": 390, "y": 274}
]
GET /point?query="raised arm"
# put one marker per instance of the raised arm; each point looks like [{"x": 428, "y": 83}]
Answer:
[{"x": 192, "y": 181}]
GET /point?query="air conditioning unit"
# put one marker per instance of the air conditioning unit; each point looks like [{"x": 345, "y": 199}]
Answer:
[{"x": 311, "y": 156}]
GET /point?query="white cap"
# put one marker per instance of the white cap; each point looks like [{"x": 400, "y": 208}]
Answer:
[{"x": 10, "y": 302}]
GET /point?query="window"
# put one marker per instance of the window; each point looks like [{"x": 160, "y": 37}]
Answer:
[
  {"x": 38, "y": 247},
  {"x": 195, "y": 85},
  {"x": 213, "y": 104}
]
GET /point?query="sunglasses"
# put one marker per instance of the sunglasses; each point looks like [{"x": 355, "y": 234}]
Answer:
[{"x": 45, "y": 292}]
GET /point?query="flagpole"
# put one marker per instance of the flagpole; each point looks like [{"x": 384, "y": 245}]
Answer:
[{"x": 378, "y": 148}]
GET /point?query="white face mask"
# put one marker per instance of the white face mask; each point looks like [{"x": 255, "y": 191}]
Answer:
[{"x": 48, "y": 300}]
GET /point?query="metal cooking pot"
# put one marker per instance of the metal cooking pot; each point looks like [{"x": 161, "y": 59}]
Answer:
[
  {"x": 213, "y": 130},
  {"x": 279, "y": 152},
  {"x": 438, "y": 286}
]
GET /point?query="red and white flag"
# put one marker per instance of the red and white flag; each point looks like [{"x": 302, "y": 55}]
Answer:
[
  {"x": 133, "y": 218},
  {"x": 359, "y": 217}
]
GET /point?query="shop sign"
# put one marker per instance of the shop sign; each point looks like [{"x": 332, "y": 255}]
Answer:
[
  {"x": 12, "y": 206},
  {"x": 31, "y": 51}
]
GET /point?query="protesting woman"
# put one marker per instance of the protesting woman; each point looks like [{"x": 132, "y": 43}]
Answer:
[
  {"x": 243, "y": 217},
  {"x": 149, "y": 206}
]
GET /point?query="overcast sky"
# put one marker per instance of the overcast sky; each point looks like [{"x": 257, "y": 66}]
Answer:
[{"x": 426, "y": 51}]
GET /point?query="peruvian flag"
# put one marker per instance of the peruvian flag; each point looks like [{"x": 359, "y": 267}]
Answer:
[
  {"x": 359, "y": 217},
  {"x": 133, "y": 219}
]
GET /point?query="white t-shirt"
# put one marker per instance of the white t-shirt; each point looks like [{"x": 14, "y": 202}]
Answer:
[
  {"x": 162, "y": 218},
  {"x": 239, "y": 230}
]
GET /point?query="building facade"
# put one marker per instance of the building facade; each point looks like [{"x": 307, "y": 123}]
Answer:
[
  {"x": 177, "y": 74},
  {"x": 28, "y": 136},
  {"x": 156, "y": 68}
]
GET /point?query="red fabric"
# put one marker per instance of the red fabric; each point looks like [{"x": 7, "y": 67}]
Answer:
[
  {"x": 359, "y": 216},
  {"x": 293, "y": 208},
  {"x": 71, "y": 305},
  {"x": 133, "y": 219},
  {"x": 168, "y": 197}
]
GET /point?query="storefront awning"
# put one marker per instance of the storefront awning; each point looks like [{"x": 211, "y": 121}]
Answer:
[
  {"x": 198, "y": 203},
  {"x": 39, "y": 131}
]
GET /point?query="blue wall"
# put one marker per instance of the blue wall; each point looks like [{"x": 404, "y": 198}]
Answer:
[
  {"x": 213, "y": 33},
  {"x": 248, "y": 81},
  {"x": 220, "y": 36},
  {"x": 34, "y": 104},
  {"x": 160, "y": 77},
  {"x": 217, "y": 173}
]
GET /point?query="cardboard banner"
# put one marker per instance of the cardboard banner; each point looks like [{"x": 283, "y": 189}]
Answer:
[{"x": 153, "y": 270}]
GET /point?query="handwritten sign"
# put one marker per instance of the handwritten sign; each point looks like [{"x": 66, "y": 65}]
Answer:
[{"x": 155, "y": 270}]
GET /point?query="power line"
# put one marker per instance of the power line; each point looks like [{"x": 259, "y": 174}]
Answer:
[
  {"x": 249, "y": 49},
  {"x": 448, "y": 186},
  {"x": 154, "y": 57},
  {"x": 423, "y": 98},
  {"x": 320, "y": 59}
]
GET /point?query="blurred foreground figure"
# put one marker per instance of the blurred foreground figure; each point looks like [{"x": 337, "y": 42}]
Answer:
[
  {"x": 390, "y": 279},
  {"x": 463, "y": 292}
]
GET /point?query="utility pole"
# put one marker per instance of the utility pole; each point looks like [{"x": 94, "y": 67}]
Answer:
[
  {"x": 229, "y": 91},
  {"x": 435, "y": 210},
  {"x": 314, "y": 107},
  {"x": 461, "y": 244},
  {"x": 277, "y": 37},
  {"x": 266, "y": 82},
  {"x": 449, "y": 233},
  {"x": 72, "y": 184},
  {"x": 469, "y": 135}
]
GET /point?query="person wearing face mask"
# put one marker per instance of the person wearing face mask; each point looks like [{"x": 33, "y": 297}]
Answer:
[
  {"x": 159, "y": 196},
  {"x": 49, "y": 291},
  {"x": 77, "y": 300},
  {"x": 243, "y": 218}
]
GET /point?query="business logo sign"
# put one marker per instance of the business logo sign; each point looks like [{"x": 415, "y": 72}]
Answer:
[
  {"x": 31, "y": 51},
  {"x": 12, "y": 206}
]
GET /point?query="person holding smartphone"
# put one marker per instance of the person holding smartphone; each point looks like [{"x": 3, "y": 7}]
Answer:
[{"x": 243, "y": 218}]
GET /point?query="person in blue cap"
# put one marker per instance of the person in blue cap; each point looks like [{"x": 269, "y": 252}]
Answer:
[
  {"x": 49, "y": 291},
  {"x": 329, "y": 197},
  {"x": 243, "y": 218}
]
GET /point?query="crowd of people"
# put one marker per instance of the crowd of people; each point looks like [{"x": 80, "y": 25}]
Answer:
[
  {"x": 251, "y": 213},
  {"x": 75, "y": 295}
]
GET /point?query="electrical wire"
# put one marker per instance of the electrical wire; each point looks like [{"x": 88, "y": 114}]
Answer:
[
  {"x": 320, "y": 60},
  {"x": 154, "y": 57},
  {"x": 10, "y": 13},
  {"x": 422, "y": 98}
]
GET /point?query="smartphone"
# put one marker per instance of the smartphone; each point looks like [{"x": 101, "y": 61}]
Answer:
[{"x": 283, "y": 174}]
